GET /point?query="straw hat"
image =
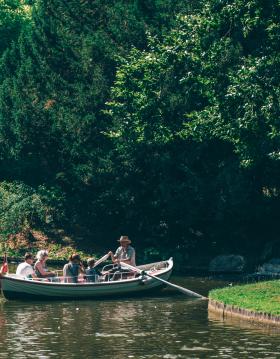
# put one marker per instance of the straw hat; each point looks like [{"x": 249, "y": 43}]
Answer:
[{"x": 124, "y": 239}]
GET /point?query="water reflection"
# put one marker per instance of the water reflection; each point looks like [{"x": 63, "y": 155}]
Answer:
[
  {"x": 235, "y": 322},
  {"x": 166, "y": 326}
]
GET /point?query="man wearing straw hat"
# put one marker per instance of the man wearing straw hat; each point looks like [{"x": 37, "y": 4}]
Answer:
[{"x": 125, "y": 253}]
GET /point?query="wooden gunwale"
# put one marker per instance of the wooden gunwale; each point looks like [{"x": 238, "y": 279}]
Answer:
[
  {"x": 72, "y": 285},
  {"x": 20, "y": 287}
]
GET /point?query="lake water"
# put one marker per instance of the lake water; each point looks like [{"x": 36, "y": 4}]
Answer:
[{"x": 167, "y": 325}]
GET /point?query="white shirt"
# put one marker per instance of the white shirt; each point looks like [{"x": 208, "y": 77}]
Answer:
[{"x": 24, "y": 269}]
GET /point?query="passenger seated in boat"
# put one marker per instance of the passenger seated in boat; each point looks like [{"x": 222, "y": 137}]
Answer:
[
  {"x": 40, "y": 268},
  {"x": 124, "y": 253},
  {"x": 25, "y": 268},
  {"x": 72, "y": 269},
  {"x": 91, "y": 272}
]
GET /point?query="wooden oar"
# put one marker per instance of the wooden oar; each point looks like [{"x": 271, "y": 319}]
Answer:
[
  {"x": 175, "y": 286},
  {"x": 102, "y": 259}
]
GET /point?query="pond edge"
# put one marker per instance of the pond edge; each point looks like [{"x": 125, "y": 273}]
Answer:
[{"x": 230, "y": 311}]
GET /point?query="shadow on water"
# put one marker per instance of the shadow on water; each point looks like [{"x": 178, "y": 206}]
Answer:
[{"x": 166, "y": 325}]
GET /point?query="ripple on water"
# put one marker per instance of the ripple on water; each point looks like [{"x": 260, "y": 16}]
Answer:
[
  {"x": 196, "y": 349},
  {"x": 110, "y": 335},
  {"x": 169, "y": 327}
]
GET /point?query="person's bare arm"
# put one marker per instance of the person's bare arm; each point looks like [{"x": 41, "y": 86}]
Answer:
[
  {"x": 43, "y": 272},
  {"x": 113, "y": 258},
  {"x": 82, "y": 268}
]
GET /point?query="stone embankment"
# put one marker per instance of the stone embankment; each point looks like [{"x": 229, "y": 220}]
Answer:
[{"x": 231, "y": 311}]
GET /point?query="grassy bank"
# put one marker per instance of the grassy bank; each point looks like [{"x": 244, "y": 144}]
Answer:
[{"x": 259, "y": 297}]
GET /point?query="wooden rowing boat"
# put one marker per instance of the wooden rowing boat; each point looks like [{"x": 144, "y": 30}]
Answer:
[{"x": 117, "y": 284}]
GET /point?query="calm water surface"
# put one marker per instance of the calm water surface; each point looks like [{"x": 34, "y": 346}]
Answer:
[{"x": 167, "y": 325}]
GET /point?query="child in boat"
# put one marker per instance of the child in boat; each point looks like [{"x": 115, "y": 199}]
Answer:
[
  {"x": 72, "y": 269},
  {"x": 91, "y": 272}
]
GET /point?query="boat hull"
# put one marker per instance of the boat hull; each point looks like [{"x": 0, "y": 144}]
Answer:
[{"x": 15, "y": 288}]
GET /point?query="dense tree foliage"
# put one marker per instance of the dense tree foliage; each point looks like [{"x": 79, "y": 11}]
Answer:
[
  {"x": 154, "y": 118},
  {"x": 14, "y": 16},
  {"x": 204, "y": 103},
  {"x": 23, "y": 208}
]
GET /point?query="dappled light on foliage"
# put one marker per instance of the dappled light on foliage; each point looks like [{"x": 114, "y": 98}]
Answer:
[{"x": 150, "y": 118}]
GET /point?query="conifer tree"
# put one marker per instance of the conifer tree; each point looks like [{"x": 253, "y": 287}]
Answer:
[{"x": 52, "y": 96}]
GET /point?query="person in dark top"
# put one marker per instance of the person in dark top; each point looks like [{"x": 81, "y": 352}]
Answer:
[
  {"x": 72, "y": 269},
  {"x": 91, "y": 272}
]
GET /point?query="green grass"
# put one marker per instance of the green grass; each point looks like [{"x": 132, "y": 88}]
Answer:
[{"x": 259, "y": 297}]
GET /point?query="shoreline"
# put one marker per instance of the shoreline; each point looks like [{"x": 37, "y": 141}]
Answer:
[{"x": 231, "y": 311}]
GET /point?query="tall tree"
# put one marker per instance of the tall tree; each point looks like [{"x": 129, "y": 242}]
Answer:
[
  {"x": 51, "y": 120},
  {"x": 210, "y": 91}
]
